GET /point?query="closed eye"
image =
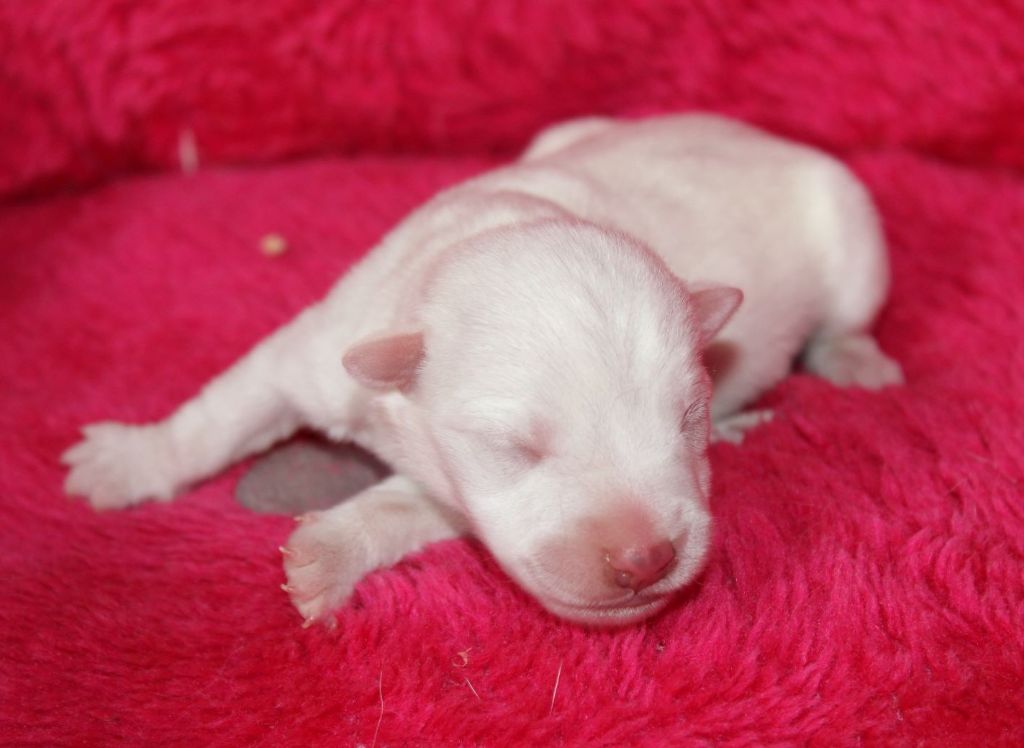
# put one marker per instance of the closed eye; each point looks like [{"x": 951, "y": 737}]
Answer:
[
  {"x": 525, "y": 449},
  {"x": 695, "y": 422},
  {"x": 506, "y": 456},
  {"x": 514, "y": 449},
  {"x": 528, "y": 451}
]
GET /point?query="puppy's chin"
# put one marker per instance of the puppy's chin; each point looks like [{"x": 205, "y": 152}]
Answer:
[{"x": 635, "y": 609}]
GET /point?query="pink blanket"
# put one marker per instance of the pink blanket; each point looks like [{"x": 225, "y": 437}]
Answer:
[{"x": 867, "y": 578}]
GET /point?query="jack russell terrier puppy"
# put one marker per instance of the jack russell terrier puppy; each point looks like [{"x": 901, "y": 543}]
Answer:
[{"x": 542, "y": 354}]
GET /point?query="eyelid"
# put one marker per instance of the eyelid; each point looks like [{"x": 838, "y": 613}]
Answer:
[
  {"x": 530, "y": 441},
  {"x": 532, "y": 452},
  {"x": 696, "y": 412}
]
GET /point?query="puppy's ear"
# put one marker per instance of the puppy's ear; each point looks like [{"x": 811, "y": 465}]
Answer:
[
  {"x": 387, "y": 362},
  {"x": 713, "y": 307}
]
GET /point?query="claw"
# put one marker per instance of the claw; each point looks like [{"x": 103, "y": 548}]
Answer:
[
  {"x": 285, "y": 551},
  {"x": 288, "y": 588},
  {"x": 308, "y": 622}
]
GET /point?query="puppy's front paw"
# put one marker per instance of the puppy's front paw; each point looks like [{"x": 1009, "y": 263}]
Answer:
[
  {"x": 324, "y": 559},
  {"x": 117, "y": 465}
]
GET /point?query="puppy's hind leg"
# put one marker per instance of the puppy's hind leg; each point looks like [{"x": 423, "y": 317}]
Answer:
[
  {"x": 734, "y": 428},
  {"x": 852, "y": 359},
  {"x": 841, "y": 350}
]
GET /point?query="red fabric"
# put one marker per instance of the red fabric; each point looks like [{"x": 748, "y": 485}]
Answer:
[
  {"x": 867, "y": 578},
  {"x": 88, "y": 89}
]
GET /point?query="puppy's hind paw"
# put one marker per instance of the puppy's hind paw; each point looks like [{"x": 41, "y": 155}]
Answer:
[
  {"x": 853, "y": 360},
  {"x": 733, "y": 428}
]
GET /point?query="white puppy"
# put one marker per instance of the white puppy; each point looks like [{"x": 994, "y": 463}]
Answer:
[{"x": 524, "y": 351}]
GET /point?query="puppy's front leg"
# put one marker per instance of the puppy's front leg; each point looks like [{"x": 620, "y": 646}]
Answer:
[
  {"x": 247, "y": 408},
  {"x": 330, "y": 551}
]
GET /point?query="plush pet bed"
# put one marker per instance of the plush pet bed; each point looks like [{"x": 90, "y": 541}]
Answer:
[{"x": 867, "y": 578}]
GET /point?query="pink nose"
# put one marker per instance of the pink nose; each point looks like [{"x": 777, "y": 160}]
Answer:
[{"x": 637, "y": 567}]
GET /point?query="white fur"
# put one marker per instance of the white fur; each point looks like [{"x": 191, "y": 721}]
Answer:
[{"x": 561, "y": 379}]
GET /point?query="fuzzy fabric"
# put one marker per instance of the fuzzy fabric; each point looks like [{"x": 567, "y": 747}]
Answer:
[{"x": 867, "y": 579}]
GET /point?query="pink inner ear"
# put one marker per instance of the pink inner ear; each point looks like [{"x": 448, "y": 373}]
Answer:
[
  {"x": 386, "y": 363},
  {"x": 714, "y": 307}
]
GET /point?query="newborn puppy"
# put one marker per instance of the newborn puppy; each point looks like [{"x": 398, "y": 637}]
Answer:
[{"x": 528, "y": 352}]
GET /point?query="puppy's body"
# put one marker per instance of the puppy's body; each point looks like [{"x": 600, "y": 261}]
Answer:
[{"x": 533, "y": 369}]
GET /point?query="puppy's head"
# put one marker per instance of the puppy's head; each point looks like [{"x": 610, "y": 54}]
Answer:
[{"x": 551, "y": 386}]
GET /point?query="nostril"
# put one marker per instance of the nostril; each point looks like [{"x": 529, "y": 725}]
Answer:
[
  {"x": 624, "y": 578},
  {"x": 637, "y": 567}
]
